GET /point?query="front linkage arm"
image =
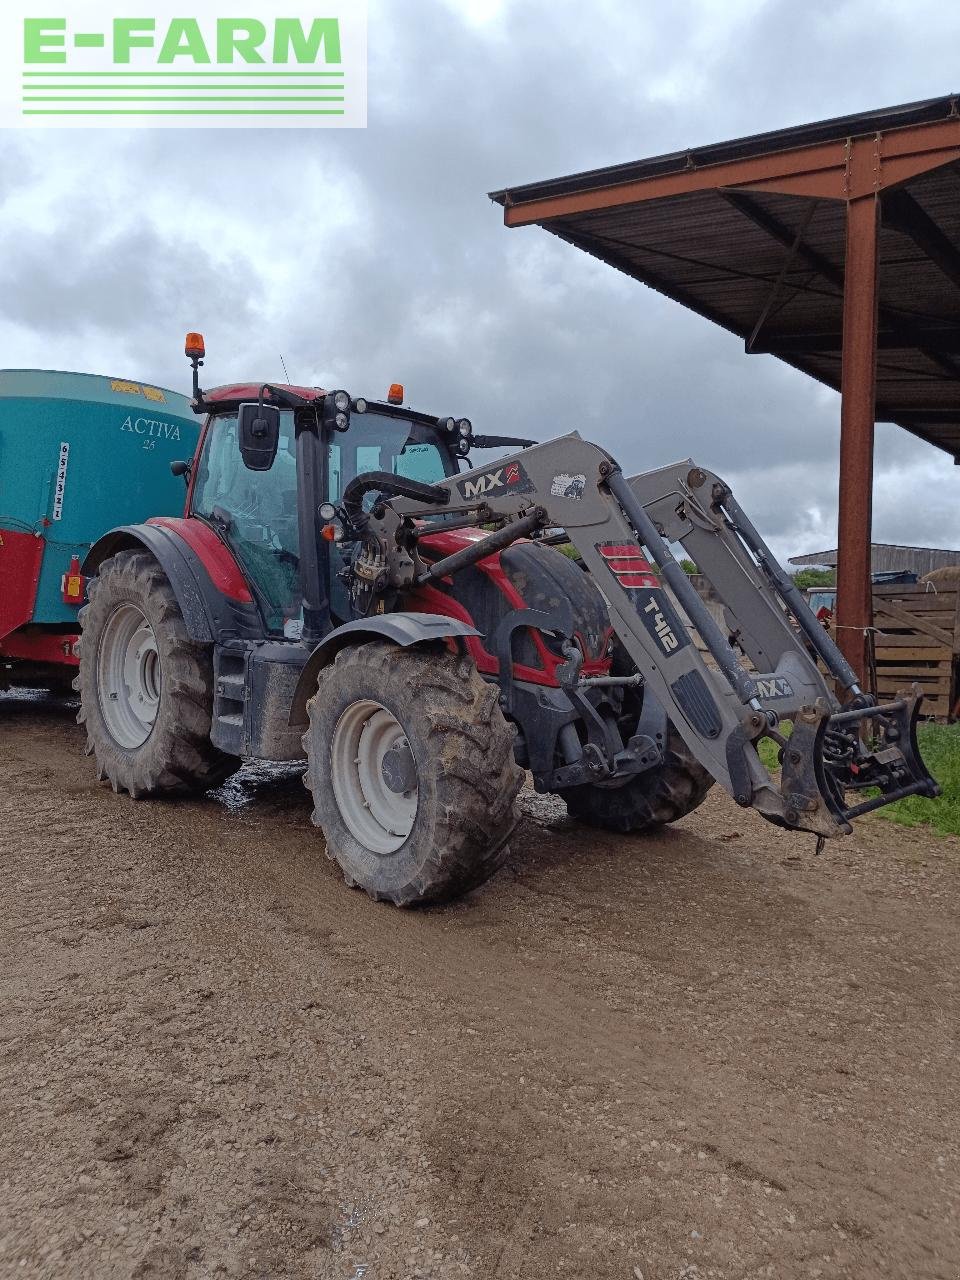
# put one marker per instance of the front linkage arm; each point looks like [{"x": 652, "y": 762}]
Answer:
[{"x": 722, "y": 709}]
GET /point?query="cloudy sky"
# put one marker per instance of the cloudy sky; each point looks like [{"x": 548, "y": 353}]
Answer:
[{"x": 367, "y": 257}]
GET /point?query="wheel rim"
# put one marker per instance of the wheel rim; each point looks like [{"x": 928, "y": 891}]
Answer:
[
  {"x": 129, "y": 678},
  {"x": 367, "y": 740}
]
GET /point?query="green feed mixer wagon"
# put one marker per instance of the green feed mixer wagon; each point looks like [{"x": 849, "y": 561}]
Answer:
[{"x": 79, "y": 454}]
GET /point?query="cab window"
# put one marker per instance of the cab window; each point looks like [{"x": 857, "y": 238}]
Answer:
[
  {"x": 379, "y": 442},
  {"x": 376, "y": 442},
  {"x": 256, "y": 513}
]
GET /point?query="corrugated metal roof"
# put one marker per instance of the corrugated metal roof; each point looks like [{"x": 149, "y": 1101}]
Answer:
[
  {"x": 887, "y": 557},
  {"x": 861, "y": 124},
  {"x": 769, "y": 267}
]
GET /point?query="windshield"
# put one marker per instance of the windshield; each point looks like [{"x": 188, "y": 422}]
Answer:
[
  {"x": 380, "y": 442},
  {"x": 257, "y": 513},
  {"x": 821, "y": 600}
]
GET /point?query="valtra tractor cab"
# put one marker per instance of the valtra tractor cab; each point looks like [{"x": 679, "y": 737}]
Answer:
[{"x": 343, "y": 586}]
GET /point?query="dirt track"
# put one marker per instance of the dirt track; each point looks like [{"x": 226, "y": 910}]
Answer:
[{"x": 703, "y": 1054}]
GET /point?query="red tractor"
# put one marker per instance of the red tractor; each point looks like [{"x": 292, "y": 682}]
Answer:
[{"x": 340, "y": 588}]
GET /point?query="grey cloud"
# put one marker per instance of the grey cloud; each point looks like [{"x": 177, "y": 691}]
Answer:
[{"x": 81, "y": 281}]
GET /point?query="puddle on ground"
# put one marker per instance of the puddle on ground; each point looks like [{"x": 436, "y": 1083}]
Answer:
[
  {"x": 262, "y": 787},
  {"x": 65, "y": 702}
]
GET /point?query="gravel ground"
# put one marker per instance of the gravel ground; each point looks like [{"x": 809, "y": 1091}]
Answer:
[{"x": 703, "y": 1054}]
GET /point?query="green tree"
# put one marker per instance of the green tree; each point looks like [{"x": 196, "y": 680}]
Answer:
[
  {"x": 688, "y": 566},
  {"x": 804, "y": 578}
]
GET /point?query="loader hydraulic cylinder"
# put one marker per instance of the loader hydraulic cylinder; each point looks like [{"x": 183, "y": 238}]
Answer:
[
  {"x": 823, "y": 645},
  {"x": 488, "y": 546}
]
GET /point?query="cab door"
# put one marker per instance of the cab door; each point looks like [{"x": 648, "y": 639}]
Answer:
[{"x": 255, "y": 512}]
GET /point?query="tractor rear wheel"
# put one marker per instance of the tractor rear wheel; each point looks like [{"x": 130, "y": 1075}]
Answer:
[
  {"x": 146, "y": 688},
  {"x": 411, "y": 766},
  {"x": 663, "y": 794}
]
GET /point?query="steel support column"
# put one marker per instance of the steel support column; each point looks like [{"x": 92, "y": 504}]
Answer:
[{"x": 857, "y": 416}]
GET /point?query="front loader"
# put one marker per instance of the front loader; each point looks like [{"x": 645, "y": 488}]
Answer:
[{"x": 340, "y": 588}]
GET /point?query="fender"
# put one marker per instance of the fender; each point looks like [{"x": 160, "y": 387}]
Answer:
[
  {"x": 211, "y": 613},
  {"x": 404, "y": 629}
]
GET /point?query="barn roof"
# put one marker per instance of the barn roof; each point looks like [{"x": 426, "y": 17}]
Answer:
[
  {"x": 751, "y": 234},
  {"x": 889, "y": 556}
]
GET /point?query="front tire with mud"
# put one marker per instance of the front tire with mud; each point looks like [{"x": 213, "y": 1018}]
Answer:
[
  {"x": 146, "y": 688},
  {"x": 411, "y": 766},
  {"x": 677, "y": 786}
]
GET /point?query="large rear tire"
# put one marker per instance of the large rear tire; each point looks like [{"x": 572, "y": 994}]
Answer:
[
  {"x": 650, "y": 800},
  {"x": 146, "y": 688},
  {"x": 411, "y": 766}
]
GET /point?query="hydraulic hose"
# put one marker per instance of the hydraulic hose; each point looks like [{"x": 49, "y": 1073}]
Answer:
[{"x": 387, "y": 483}]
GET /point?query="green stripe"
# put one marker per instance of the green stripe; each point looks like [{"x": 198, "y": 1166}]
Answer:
[
  {"x": 134, "y": 111},
  {"x": 190, "y": 97},
  {"x": 183, "y": 73}
]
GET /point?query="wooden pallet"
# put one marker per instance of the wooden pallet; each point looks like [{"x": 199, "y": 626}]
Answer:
[{"x": 916, "y": 642}]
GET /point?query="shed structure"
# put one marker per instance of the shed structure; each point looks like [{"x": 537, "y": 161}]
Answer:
[
  {"x": 887, "y": 557},
  {"x": 835, "y": 246}
]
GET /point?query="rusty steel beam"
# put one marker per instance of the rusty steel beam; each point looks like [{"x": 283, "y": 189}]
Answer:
[
  {"x": 823, "y": 163},
  {"x": 772, "y": 225},
  {"x": 822, "y": 184},
  {"x": 863, "y": 169},
  {"x": 857, "y": 415},
  {"x": 920, "y": 434},
  {"x": 906, "y": 153},
  {"x": 902, "y": 212},
  {"x": 776, "y": 291},
  {"x": 902, "y": 338},
  {"x": 942, "y": 360},
  {"x": 845, "y": 169},
  {"x": 929, "y": 417}
]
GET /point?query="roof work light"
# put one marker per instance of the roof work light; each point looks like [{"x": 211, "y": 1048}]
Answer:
[{"x": 336, "y": 410}]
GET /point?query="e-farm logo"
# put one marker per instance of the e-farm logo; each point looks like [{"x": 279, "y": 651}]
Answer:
[{"x": 271, "y": 65}]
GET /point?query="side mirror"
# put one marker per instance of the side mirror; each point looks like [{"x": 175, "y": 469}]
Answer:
[
  {"x": 181, "y": 468},
  {"x": 259, "y": 435}
]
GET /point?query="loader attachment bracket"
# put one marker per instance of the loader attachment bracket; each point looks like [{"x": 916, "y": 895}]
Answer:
[
  {"x": 741, "y": 783},
  {"x": 827, "y": 755},
  {"x": 603, "y": 756}
]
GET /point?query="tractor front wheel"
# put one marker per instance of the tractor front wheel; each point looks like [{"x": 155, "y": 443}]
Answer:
[
  {"x": 146, "y": 688},
  {"x": 411, "y": 766}
]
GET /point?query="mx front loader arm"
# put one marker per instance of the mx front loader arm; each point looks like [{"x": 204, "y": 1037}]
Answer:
[{"x": 724, "y": 705}]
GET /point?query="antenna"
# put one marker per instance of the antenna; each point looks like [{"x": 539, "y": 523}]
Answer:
[{"x": 283, "y": 362}]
